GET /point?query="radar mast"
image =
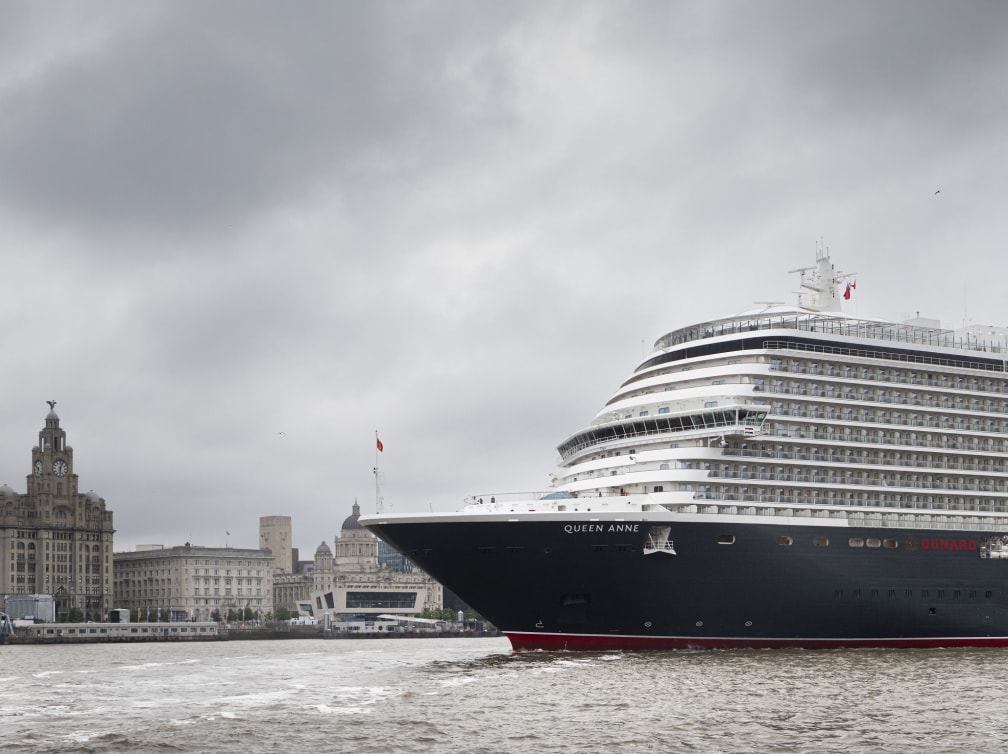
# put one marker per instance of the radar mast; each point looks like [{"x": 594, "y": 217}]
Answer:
[{"x": 822, "y": 284}]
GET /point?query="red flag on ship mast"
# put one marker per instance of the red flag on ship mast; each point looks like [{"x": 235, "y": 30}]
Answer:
[{"x": 380, "y": 446}]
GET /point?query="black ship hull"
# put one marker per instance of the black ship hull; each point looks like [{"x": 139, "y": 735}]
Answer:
[{"x": 591, "y": 584}]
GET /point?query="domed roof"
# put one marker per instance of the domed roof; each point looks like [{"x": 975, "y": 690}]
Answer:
[
  {"x": 93, "y": 496},
  {"x": 351, "y": 521},
  {"x": 6, "y": 491},
  {"x": 323, "y": 549}
]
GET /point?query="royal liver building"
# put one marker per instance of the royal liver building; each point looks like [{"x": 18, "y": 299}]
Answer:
[{"x": 54, "y": 539}]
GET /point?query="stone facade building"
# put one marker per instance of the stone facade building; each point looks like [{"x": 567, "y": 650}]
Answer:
[
  {"x": 191, "y": 582},
  {"x": 291, "y": 590},
  {"x": 364, "y": 577},
  {"x": 352, "y": 585},
  {"x": 54, "y": 539}
]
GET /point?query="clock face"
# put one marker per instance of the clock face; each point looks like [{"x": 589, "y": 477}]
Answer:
[
  {"x": 38, "y": 468},
  {"x": 59, "y": 468}
]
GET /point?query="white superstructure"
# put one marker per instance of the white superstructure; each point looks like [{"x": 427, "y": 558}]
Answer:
[{"x": 800, "y": 411}]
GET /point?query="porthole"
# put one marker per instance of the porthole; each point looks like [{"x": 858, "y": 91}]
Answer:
[
  {"x": 872, "y": 542},
  {"x": 821, "y": 541},
  {"x": 785, "y": 541},
  {"x": 726, "y": 539},
  {"x": 890, "y": 544},
  {"x": 855, "y": 542}
]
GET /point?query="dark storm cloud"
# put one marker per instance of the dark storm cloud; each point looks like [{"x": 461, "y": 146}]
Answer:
[
  {"x": 458, "y": 223},
  {"x": 205, "y": 112}
]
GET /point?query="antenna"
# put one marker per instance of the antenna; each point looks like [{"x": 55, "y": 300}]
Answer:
[{"x": 821, "y": 283}]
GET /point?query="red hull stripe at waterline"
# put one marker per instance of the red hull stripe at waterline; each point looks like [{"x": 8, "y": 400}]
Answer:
[{"x": 595, "y": 642}]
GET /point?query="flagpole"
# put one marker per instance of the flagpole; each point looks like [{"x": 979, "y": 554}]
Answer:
[{"x": 377, "y": 478}]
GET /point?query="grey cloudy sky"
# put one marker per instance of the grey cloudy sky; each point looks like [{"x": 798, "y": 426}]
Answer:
[{"x": 456, "y": 223}]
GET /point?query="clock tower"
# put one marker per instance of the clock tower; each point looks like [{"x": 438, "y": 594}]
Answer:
[
  {"x": 52, "y": 462},
  {"x": 55, "y": 540}
]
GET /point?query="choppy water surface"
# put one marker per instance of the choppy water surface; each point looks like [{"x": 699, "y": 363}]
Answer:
[{"x": 475, "y": 695}]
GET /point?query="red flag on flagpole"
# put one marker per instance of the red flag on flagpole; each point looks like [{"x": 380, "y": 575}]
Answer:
[
  {"x": 846, "y": 293},
  {"x": 380, "y": 446}
]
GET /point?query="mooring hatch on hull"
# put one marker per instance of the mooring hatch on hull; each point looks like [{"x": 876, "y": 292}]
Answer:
[{"x": 658, "y": 541}]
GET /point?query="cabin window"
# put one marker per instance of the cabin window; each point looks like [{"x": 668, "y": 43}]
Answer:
[
  {"x": 785, "y": 541},
  {"x": 855, "y": 542},
  {"x": 821, "y": 541},
  {"x": 890, "y": 544},
  {"x": 873, "y": 542},
  {"x": 726, "y": 539}
]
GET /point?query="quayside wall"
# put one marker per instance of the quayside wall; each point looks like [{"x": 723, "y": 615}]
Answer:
[{"x": 96, "y": 633}]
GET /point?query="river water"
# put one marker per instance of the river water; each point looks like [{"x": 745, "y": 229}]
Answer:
[{"x": 476, "y": 695}]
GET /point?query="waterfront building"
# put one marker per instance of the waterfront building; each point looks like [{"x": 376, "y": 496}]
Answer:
[
  {"x": 275, "y": 535},
  {"x": 191, "y": 582},
  {"x": 290, "y": 590},
  {"x": 54, "y": 539},
  {"x": 352, "y": 585}
]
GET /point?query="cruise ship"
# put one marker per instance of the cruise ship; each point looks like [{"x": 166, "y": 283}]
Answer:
[{"x": 793, "y": 476}]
